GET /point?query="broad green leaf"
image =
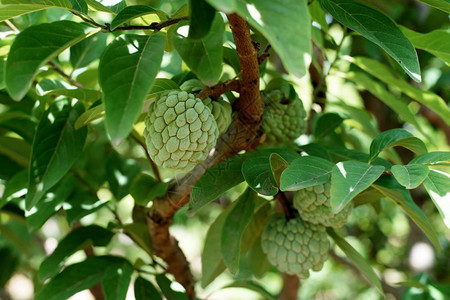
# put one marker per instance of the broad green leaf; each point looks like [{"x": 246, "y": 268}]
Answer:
[
  {"x": 16, "y": 187},
  {"x": 83, "y": 275},
  {"x": 140, "y": 235},
  {"x": 318, "y": 14},
  {"x": 304, "y": 172},
  {"x": 55, "y": 148},
  {"x": 160, "y": 85},
  {"x": 233, "y": 228},
  {"x": 98, "y": 6},
  {"x": 326, "y": 124},
  {"x": 397, "y": 105},
  {"x": 127, "y": 70},
  {"x": 377, "y": 28},
  {"x": 201, "y": 16},
  {"x": 82, "y": 204},
  {"x": 203, "y": 56},
  {"x": 132, "y": 12},
  {"x": 277, "y": 165},
  {"x": 34, "y": 47},
  {"x": 357, "y": 259},
  {"x": 90, "y": 115},
  {"x": 432, "y": 159},
  {"x": 2, "y": 72},
  {"x": 9, "y": 260},
  {"x": 393, "y": 138},
  {"x": 436, "y": 42},
  {"x": 253, "y": 286},
  {"x": 410, "y": 175},
  {"x": 85, "y": 95},
  {"x": 258, "y": 259},
  {"x": 50, "y": 203},
  {"x": 383, "y": 73},
  {"x": 88, "y": 50},
  {"x": 115, "y": 283},
  {"x": 75, "y": 240},
  {"x": 443, "y": 5},
  {"x": 392, "y": 190},
  {"x": 257, "y": 170},
  {"x": 145, "y": 290},
  {"x": 341, "y": 154},
  {"x": 170, "y": 294},
  {"x": 13, "y": 8},
  {"x": 16, "y": 149},
  {"x": 145, "y": 188},
  {"x": 438, "y": 187},
  {"x": 227, "y": 6},
  {"x": 216, "y": 180},
  {"x": 120, "y": 172},
  {"x": 348, "y": 179}
]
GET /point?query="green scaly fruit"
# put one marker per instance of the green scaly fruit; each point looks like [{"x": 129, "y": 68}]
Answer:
[
  {"x": 283, "y": 118},
  {"x": 221, "y": 111},
  {"x": 180, "y": 130},
  {"x": 313, "y": 204},
  {"x": 295, "y": 246}
]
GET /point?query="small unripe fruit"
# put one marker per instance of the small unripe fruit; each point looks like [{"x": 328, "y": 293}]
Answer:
[
  {"x": 283, "y": 118},
  {"x": 180, "y": 130},
  {"x": 221, "y": 111},
  {"x": 313, "y": 204},
  {"x": 295, "y": 246}
]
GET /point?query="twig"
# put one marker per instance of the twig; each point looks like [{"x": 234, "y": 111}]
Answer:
[
  {"x": 243, "y": 133},
  {"x": 281, "y": 197},
  {"x": 265, "y": 54},
  {"x": 61, "y": 72},
  {"x": 289, "y": 291},
  {"x": 152, "y": 163},
  {"x": 220, "y": 88},
  {"x": 96, "y": 290},
  {"x": 12, "y": 26}
]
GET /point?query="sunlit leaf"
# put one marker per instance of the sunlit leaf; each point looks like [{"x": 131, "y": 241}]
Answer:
[
  {"x": 410, "y": 175},
  {"x": 132, "y": 12},
  {"x": 438, "y": 187}
]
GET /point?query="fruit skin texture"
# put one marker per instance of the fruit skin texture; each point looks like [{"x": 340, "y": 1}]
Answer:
[
  {"x": 221, "y": 111},
  {"x": 283, "y": 118},
  {"x": 180, "y": 130},
  {"x": 313, "y": 204},
  {"x": 295, "y": 246}
]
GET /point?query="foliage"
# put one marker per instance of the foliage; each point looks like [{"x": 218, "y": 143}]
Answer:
[{"x": 83, "y": 201}]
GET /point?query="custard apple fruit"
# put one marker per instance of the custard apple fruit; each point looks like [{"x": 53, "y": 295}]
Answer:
[
  {"x": 313, "y": 204},
  {"x": 295, "y": 246},
  {"x": 221, "y": 111},
  {"x": 283, "y": 119},
  {"x": 180, "y": 130}
]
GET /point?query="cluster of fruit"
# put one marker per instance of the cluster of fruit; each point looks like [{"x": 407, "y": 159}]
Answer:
[{"x": 300, "y": 244}]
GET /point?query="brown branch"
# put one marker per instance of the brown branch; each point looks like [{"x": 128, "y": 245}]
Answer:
[
  {"x": 219, "y": 89},
  {"x": 243, "y": 134},
  {"x": 285, "y": 205},
  {"x": 61, "y": 72},
  {"x": 154, "y": 26},
  {"x": 289, "y": 291},
  {"x": 265, "y": 54}
]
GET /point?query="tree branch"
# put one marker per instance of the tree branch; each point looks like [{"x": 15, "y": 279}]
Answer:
[
  {"x": 61, "y": 72},
  {"x": 243, "y": 134},
  {"x": 289, "y": 291},
  {"x": 220, "y": 88}
]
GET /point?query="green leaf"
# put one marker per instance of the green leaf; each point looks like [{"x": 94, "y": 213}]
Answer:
[
  {"x": 116, "y": 281},
  {"x": 383, "y": 73},
  {"x": 204, "y": 56},
  {"x": 140, "y": 235},
  {"x": 127, "y": 70},
  {"x": 80, "y": 276},
  {"x": 432, "y": 159},
  {"x": 34, "y": 47},
  {"x": 160, "y": 85},
  {"x": 92, "y": 114},
  {"x": 258, "y": 259},
  {"x": 75, "y": 240},
  {"x": 164, "y": 284},
  {"x": 14, "y": 8},
  {"x": 16, "y": 149},
  {"x": 392, "y": 190},
  {"x": 348, "y": 179},
  {"x": 411, "y": 175},
  {"x": 357, "y": 259},
  {"x": 443, "y": 5},
  {"x": 82, "y": 204},
  {"x": 253, "y": 286},
  {"x": 55, "y": 148},
  {"x": 397, "y": 105},
  {"x": 233, "y": 229},
  {"x": 145, "y": 290},
  {"x": 201, "y": 16},
  {"x": 120, "y": 172},
  {"x": 145, "y": 188},
  {"x": 216, "y": 180},
  {"x": 438, "y": 187},
  {"x": 2, "y": 72},
  {"x": 88, "y": 50},
  {"x": 393, "y": 138},
  {"x": 15, "y": 187},
  {"x": 326, "y": 124},
  {"x": 9, "y": 260},
  {"x": 85, "y": 95},
  {"x": 304, "y": 172},
  {"x": 257, "y": 170},
  {"x": 277, "y": 165},
  {"x": 132, "y": 12},
  {"x": 377, "y": 28}
]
